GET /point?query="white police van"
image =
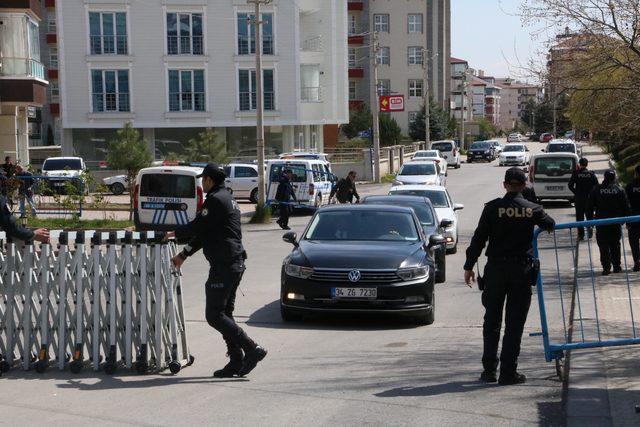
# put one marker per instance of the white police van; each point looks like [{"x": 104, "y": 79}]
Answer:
[
  {"x": 166, "y": 197},
  {"x": 312, "y": 179}
]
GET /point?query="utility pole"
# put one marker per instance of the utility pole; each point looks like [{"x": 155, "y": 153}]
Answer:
[
  {"x": 463, "y": 96},
  {"x": 375, "y": 107},
  {"x": 555, "y": 116},
  {"x": 257, "y": 31},
  {"x": 427, "y": 106}
]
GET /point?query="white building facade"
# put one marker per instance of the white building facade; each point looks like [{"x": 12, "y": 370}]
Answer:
[{"x": 175, "y": 67}]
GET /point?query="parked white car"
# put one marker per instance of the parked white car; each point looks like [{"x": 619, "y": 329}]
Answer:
[
  {"x": 550, "y": 174},
  {"x": 242, "y": 180},
  {"x": 444, "y": 206},
  {"x": 117, "y": 184},
  {"x": 497, "y": 147},
  {"x": 421, "y": 172},
  {"x": 449, "y": 150},
  {"x": 428, "y": 154},
  {"x": 59, "y": 170},
  {"x": 514, "y": 154},
  {"x": 515, "y": 137},
  {"x": 563, "y": 146}
]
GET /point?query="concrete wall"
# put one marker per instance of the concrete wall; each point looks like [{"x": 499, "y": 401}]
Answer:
[{"x": 391, "y": 159}]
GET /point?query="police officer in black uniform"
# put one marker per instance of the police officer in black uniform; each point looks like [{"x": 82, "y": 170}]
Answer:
[
  {"x": 582, "y": 182},
  {"x": 609, "y": 200},
  {"x": 633, "y": 194},
  {"x": 14, "y": 230},
  {"x": 216, "y": 229},
  {"x": 508, "y": 225}
]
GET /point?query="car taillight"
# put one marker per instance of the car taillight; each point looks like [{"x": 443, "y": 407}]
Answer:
[
  {"x": 200, "y": 198},
  {"x": 455, "y": 151},
  {"x": 532, "y": 171},
  {"x": 136, "y": 192},
  {"x": 312, "y": 189}
]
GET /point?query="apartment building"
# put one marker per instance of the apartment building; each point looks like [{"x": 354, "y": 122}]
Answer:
[
  {"x": 514, "y": 96},
  {"x": 404, "y": 31},
  {"x": 461, "y": 90},
  {"x": 23, "y": 82},
  {"x": 176, "y": 67}
]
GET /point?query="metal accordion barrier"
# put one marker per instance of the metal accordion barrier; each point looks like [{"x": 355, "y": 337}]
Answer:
[{"x": 93, "y": 300}]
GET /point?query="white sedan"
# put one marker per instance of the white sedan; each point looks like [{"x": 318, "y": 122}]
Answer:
[
  {"x": 421, "y": 172},
  {"x": 514, "y": 154},
  {"x": 442, "y": 203},
  {"x": 117, "y": 184}
]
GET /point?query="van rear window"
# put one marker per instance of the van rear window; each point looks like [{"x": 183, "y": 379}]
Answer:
[
  {"x": 555, "y": 166},
  {"x": 442, "y": 146},
  {"x": 167, "y": 185}
]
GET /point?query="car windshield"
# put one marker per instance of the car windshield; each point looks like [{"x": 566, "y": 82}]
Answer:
[
  {"x": 508, "y": 148},
  {"x": 363, "y": 225},
  {"x": 168, "y": 185},
  {"x": 299, "y": 171},
  {"x": 442, "y": 146},
  {"x": 480, "y": 146},
  {"x": 561, "y": 148},
  {"x": 61, "y": 164},
  {"x": 438, "y": 198},
  {"x": 430, "y": 153},
  {"x": 417, "y": 169},
  {"x": 555, "y": 166},
  {"x": 422, "y": 210}
]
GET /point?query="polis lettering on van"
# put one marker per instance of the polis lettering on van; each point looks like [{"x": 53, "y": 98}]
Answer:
[
  {"x": 515, "y": 212},
  {"x": 164, "y": 199}
]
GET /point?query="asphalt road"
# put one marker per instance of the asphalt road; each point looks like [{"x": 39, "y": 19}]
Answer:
[{"x": 332, "y": 371}]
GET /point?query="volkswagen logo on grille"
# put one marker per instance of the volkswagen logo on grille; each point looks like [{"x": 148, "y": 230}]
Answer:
[{"x": 354, "y": 276}]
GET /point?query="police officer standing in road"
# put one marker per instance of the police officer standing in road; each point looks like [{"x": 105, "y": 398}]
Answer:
[
  {"x": 216, "y": 229},
  {"x": 609, "y": 200},
  {"x": 14, "y": 230},
  {"x": 582, "y": 182},
  {"x": 508, "y": 224},
  {"x": 633, "y": 194},
  {"x": 345, "y": 189},
  {"x": 284, "y": 193}
]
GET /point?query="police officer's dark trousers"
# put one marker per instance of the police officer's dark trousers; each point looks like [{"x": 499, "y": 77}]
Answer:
[
  {"x": 608, "y": 239},
  {"x": 221, "y": 290},
  {"x": 634, "y": 241},
  {"x": 285, "y": 213},
  {"x": 581, "y": 214},
  {"x": 504, "y": 280}
]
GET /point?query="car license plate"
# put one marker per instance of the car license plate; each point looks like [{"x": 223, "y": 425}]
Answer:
[
  {"x": 554, "y": 188},
  {"x": 354, "y": 292}
]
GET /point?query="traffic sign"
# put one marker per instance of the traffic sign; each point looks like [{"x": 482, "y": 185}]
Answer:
[
  {"x": 391, "y": 103},
  {"x": 365, "y": 133}
]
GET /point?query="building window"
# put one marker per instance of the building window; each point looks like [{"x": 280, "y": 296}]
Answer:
[
  {"x": 51, "y": 22},
  {"x": 54, "y": 92},
  {"x": 110, "y": 90},
  {"x": 246, "y": 37},
  {"x": 414, "y": 22},
  {"x": 184, "y": 34},
  {"x": 353, "y": 25},
  {"x": 383, "y": 56},
  {"x": 413, "y": 115},
  {"x": 414, "y": 55},
  {"x": 247, "y": 94},
  {"x": 186, "y": 90},
  {"x": 352, "y": 90},
  {"x": 108, "y": 33},
  {"x": 415, "y": 88},
  {"x": 352, "y": 57},
  {"x": 53, "y": 57},
  {"x": 384, "y": 87},
  {"x": 381, "y": 23}
]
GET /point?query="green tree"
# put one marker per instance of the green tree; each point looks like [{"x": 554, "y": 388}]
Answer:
[
  {"x": 359, "y": 120},
  {"x": 390, "y": 132},
  {"x": 130, "y": 153},
  {"x": 487, "y": 129},
  {"x": 205, "y": 148},
  {"x": 440, "y": 124}
]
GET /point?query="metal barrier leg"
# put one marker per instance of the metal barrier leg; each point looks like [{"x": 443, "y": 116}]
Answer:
[{"x": 43, "y": 354}]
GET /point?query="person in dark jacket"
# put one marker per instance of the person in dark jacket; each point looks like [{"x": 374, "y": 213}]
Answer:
[
  {"x": 529, "y": 193},
  {"x": 633, "y": 194},
  {"x": 284, "y": 194},
  {"x": 609, "y": 200},
  {"x": 582, "y": 182},
  {"x": 216, "y": 229},
  {"x": 345, "y": 189},
  {"x": 10, "y": 226},
  {"x": 8, "y": 167},
  {"x": 25, "y": 192}
]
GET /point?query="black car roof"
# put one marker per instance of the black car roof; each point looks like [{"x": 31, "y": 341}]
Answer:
[{"x": 362, "y": 207}]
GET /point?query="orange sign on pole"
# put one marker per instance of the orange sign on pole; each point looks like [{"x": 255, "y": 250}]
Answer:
[{"x": 391, "y": 103}]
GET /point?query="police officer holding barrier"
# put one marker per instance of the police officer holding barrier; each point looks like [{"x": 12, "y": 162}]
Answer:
[
  {"x": 582, "y": 182},
  {"x": 216, "y": 229},
  {"x": 508, "y": 224}
]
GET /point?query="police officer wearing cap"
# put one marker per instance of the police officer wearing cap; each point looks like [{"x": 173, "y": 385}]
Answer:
[
  {"x": 582, "y": 182},
  {"x": 633, "y": 194},
  {"x": 508, "y": 224},
  {"x": 609, "y": 200},
  {"x": 216, "y": 229}
]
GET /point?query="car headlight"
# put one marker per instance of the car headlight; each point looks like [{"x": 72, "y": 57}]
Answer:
[
  {"x": 298, "y": 271},
  {"x": 413, "y": 273},
  {"x": 396, "y": 182}
]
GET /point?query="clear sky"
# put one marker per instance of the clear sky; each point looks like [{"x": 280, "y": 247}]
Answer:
[{"x": 490, "y": 35}]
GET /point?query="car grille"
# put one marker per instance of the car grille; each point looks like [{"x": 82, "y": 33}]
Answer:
[{"x": 367, "y": 276}]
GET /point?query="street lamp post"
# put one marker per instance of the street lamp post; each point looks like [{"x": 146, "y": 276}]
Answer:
[
  {"x": 375, "y": 107},
  {"x": 427, "y": 106}
]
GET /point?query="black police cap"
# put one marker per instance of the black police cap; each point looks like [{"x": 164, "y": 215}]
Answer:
[
  {"x": 584, "y": 161},
  {"x": 213, "y": 170},
  {"x": 515, "y": 176},
  {"x": 610, "y": 175}
]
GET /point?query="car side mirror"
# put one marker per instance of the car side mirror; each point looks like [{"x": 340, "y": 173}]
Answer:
[
  {"x": 291, "y": 237},
  {"x": 458, "y": 207},
  {"x": 446, "y": 223},
  {"x": 543, "y": 150},
  {"x": 436, "y": 240}
]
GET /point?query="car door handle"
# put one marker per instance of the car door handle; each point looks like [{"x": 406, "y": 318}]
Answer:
[{"x": 254, "y": 180}]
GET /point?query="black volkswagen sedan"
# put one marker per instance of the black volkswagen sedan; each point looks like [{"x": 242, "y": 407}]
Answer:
[
  {"x": 360, "y": 258},
  {"x": 428, "y": 217},
  {"x": 481, "y": 150}
]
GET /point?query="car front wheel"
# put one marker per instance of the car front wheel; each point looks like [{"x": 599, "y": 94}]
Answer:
[
  {"x": 117, "y": 188},
  {"x": 289, "y": 316},
  {"x": 253, "y": 197},
  {"x": 427, "y": 318}
]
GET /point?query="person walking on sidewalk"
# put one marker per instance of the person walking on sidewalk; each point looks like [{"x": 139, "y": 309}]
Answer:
[
  {"x": 633, "y": 194},
  {"x": 216, "y": 229},
  {"x": 508, "y": 224},
  {"x": 285, "y": 193},
  {"x": 581, "y": 184},
  {"x": 25, "y": 193},
  {"x": 609, "y": 200},
  {"x": 345, "y": 189}
]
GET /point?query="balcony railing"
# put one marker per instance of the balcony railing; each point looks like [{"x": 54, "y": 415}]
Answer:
[
  {"x": 109, "y": 45},
  {"x": 247, "y": 45},
  {"x": 185, "y": 45},
  {"x": 187, "y": 101},
  {"x": 21, "y": 67},
  {"x": 311, "y": 94},
  {"x": 313, "y": 44},
  {"x": 110, "y": 102},
  {"x": 248, "y": 101}
]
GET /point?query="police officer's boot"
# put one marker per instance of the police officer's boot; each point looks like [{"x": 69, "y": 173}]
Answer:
[
  {"x": 232, "y": 368},
  {"x": 488, "y": 377},
  {"x": 636, "y": 266},
  {"x": 251, "y": 359},
  {"x": 511, "y": 378}
]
